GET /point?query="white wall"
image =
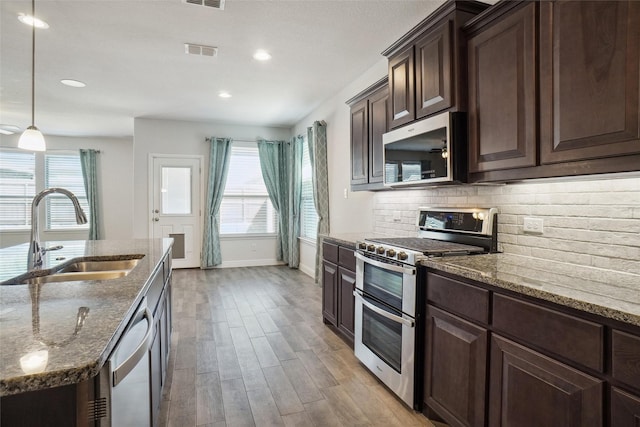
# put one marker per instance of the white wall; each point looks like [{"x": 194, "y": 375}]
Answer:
[
  {"x": 115, "y": 167},
  {"x": 182, "y": 137},
  {"x": 351, "y": 214}
]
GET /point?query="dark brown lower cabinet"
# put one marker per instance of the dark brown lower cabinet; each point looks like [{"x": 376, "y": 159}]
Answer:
[
  {"x": 329, "y": 297},
  {"x": 528, "y": 389},
  {"x": 338, "y": 284},
  {"x": 625, "y": 409},
  {"x": 455, "y": 369},
  {"x": 346, "y": 286}
]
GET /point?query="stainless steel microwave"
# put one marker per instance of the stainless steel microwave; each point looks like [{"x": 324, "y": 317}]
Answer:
[{"x": 431, "y": 151}]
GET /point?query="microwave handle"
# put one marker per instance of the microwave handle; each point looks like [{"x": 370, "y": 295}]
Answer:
[
  {"x": 386, "y": 266},
  {"x": 383, "y": 313}
]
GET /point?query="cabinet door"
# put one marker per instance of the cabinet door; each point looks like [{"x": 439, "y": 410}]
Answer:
[
  {"x": 359, "y": 143},
  {"x": 589, "y": 77},
  {"x": 502, "y": 93},
  {"x": 329, "y": 292},
  {"x": 434, "y": 83},
  {"x": 455, "y": 370},
  {"x": 529, "y": 389},
  {"x": 378, "y": 125},
  {"x": 625, "y": 409},
  {"x": 346, "y": 301},
  {"x": 401, "y": 86}
]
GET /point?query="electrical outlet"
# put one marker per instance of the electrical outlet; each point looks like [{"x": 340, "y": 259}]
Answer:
[
  {"x": 346, "y": 193},
  {"x": 533, "y": 225}
]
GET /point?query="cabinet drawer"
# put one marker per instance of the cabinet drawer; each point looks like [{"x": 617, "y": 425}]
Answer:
[
  {"x": 330, "y": 252},
  {"x": 576, "y": 339},
  {"x": 346, "y": 258},
  {"x": 458, "y": 297},
  {"x": 625, "y": 361}
]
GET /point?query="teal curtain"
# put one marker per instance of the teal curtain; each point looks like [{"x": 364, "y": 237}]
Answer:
[
  {"x": 274, "y": 157},
  {"x": 88, "y": 162},
  {"x": 295, "y": 199},
  {"x": 220, "y": 153},
  {"x": 317, "y": 140}
]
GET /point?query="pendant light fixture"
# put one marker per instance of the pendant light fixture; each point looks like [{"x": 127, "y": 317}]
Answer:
[{"x": 32, "y": 139}]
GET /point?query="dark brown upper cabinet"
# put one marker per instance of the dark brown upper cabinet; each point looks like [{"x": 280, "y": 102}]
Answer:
[
  {"x": 589, "y": 77},
  {"x": 427, "y": 65},
  {"x": 370, "y": 116},
  {"x": 502, "y": 93},
  {"x": 554, "y": 89}
]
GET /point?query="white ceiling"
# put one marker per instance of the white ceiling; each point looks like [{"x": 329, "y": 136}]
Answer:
[{"x": 131, "y": 56}]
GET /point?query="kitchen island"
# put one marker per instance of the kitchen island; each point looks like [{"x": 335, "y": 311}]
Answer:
[{"x": 76, "y": 323}]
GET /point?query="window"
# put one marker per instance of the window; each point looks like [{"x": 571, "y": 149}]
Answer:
[
  {"x": 308, "y": 215},
  {"x": 17, "y": 189},
  {"x": 64, "y": 170},
  {"x": 246, "y": 207},
  {"x": 20, "y": 180}
]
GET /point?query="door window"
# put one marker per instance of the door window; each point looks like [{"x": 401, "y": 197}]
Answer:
[{"x": 176, "y": 190}]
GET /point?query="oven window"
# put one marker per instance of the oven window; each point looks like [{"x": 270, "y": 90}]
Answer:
[
  {"x": 383, "y": 284},
  {"x": 382, "y": 336}
]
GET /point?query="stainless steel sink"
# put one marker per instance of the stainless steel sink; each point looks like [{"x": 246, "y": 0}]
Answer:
[
  {"x": 100, "y": 266},
  {"x": 76, "y": 276},
  {"x": 90, "y": 268}
]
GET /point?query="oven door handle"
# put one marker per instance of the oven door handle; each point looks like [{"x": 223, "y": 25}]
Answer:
[
  {"x": 382, "y": 312},
  {"x": 386, "y": 266}
]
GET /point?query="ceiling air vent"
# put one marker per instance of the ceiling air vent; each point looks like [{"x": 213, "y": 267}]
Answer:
[
  {"x": 216, "y": 4},
  {"x": 198, "y": 49}
]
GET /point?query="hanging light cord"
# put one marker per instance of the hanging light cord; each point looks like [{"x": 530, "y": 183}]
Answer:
[{"x": 33, "y": 62}]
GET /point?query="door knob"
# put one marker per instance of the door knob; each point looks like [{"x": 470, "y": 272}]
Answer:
[
  {"x": 156, "y": 219},
  {"x": 156, "y": 211}
]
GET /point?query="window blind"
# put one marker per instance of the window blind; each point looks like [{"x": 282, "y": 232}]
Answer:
[
  {"x": 64, "y": 170},
  {"x": 246, "y": 207},
  {"x": 17, "y": 189},
  {"x": 308, "y": 215}
]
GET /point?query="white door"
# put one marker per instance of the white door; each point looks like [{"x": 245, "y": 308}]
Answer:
[{"x": 176, "y": 206}]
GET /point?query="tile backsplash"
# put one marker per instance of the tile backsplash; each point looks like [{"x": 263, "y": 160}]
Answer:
[{"x": 586, "y": 222}]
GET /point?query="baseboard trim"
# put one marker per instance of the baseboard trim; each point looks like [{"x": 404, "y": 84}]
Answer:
[
  {"x": 250, "y": 263},
  {"x": 307, "y": 270}
]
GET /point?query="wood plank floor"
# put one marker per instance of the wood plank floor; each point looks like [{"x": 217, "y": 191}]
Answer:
[{"x": 249, "y": 348}]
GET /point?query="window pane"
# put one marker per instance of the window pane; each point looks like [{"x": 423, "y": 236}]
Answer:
[
  {"x": 176, "y": 190},
  {"x": 308, "y": 217},
  {"x": 246, "y": 207},
  {"x": 17, "y": 189},
  {"x": 64, "y": 170}
]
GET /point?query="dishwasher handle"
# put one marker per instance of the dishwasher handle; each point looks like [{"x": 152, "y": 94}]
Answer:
[{"x": 122, "y": 370}]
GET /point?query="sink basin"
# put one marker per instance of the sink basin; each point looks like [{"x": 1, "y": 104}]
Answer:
[
  {"x": 99, "y": 266},
  {"x": 90, "y": 268},
  {"x": 76, "y": 276}
]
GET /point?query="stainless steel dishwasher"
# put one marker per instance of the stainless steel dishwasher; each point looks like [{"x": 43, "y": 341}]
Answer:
[{"x": 124, "y": 382}]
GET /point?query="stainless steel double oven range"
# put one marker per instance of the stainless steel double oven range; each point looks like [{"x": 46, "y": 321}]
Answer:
[{"x": 390, "y": 291}]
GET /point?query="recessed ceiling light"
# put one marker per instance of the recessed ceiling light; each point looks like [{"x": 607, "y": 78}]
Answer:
[
  {"x": 9, "y": 129},
  {"x": 261, "y": 55},
  {"x": 72, "y": 83},
  {"x": 31, "y": 21},
  {"x": 224, "y": 94}
]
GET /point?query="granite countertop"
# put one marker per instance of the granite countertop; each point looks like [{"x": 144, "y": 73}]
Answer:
[
  {"x": 45, "y": 317},
  {"x": 607, "y": 293},
  {"x": 350, "y": 239}
]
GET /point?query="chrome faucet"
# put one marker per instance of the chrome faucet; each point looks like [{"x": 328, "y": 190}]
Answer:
[{"x": 34, "y": 258}]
